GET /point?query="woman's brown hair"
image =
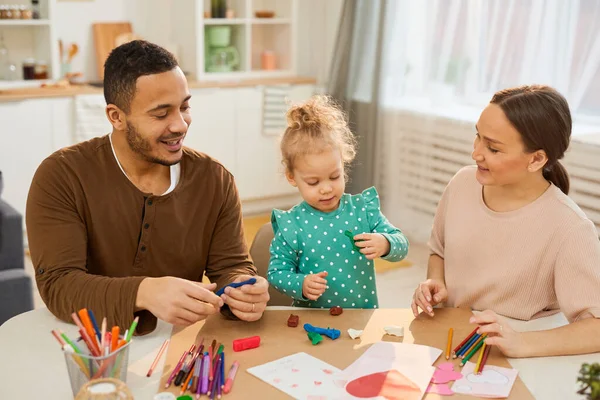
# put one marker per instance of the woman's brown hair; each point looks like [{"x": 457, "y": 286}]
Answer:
[{"x": 541, "y": 115}]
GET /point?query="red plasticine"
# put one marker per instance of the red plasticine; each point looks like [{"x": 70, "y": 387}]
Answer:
[{"x": 246, "y": 343}]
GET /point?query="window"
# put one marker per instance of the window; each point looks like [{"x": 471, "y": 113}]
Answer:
[{"x": 465, "y": 50}]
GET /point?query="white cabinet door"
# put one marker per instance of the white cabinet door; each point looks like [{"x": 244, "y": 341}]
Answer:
[
  {"x": 260, "y": 172},
  {"x": 31, "y": 134},
  {"x": 213, "y": 124}
]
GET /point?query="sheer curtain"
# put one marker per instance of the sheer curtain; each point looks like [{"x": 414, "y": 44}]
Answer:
[
  {"x": 416, "y": 75},
  {"x": 462, "y": 51}
]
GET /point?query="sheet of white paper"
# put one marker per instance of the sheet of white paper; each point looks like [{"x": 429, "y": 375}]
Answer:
[
  {"x": 412, "y": 363},
  {"x": 494, "y": 382},
  {"x": 301, "y": 376}
]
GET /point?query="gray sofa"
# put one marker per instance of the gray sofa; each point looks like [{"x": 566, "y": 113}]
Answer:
[{"x": 15, "y": 286}]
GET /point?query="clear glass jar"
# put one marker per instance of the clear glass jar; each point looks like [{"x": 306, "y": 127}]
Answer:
[
  {"x": 35, "y": 9},
  {"x": 6, "y": 12},
  {"x": 41, "y": 70},
  {"x": 16, "y": 12},
  {"x": 28, "y": 69},
  {"x": 3, "y": 12},
  {"x": 26, "y": 12}
]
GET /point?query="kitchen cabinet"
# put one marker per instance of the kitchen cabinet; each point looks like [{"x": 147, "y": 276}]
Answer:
[
  {"x": 227, "y": 123},
  {"x": 213, "y": 127},
  {"x": 35, "y": 128}
]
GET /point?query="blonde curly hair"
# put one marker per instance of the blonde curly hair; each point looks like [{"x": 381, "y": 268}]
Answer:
[{"x": 314, "y": 126}]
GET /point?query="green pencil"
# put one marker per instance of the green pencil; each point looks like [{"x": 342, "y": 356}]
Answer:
[
  {"x": 132, "y": 329},
  {"x": 475, "y": 348}
]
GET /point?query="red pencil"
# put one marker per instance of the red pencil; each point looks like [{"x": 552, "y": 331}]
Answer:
[
  {"x": 457, "y": 348},
  {"x": 484, "y": 359}
]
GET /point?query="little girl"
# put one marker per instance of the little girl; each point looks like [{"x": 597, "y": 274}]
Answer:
[{"x": 323, "y": 250}]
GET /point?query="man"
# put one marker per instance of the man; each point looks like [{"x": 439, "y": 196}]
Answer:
[{"x": 128, "y": 223}]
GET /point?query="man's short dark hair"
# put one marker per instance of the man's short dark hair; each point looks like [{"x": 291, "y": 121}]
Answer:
[{"x": 126, "y": 63}]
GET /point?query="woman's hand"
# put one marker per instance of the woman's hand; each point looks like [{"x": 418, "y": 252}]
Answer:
[
  {"x": 427, "y": 295},
  {"x": 500, "y": 333}
]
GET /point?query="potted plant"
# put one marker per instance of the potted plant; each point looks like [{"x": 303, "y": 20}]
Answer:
[{"x": 589, "y": 380}]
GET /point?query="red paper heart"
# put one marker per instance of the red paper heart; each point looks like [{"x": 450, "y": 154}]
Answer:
[
  {"x": 328, "y": 371},
  {"x": 295, "y": 385},
  {"x": 276, "y": 380},
  {"x": 317, "y": 383},
  {"x": 391, "y": 385}
]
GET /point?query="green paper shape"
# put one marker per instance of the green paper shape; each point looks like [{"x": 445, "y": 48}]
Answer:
[
  {"x": 351, "y": 237},
  {"x": 315, "y": 338}
]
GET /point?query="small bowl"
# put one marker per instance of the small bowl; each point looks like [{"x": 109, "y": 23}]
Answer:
[{"x": 264, "y": 14}]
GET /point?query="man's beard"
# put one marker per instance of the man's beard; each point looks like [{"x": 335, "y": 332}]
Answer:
[{"x": 142, "y": 147}]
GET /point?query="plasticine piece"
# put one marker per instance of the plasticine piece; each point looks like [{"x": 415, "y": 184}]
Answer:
[
  {"x": 329, "y": 332},
  {"x": 250, "y": 281},
  {"x": 293, "y": 321},
  {"x": 246, "y": 343},
  {"x": 315, "y": 338},
  {"x": 351, "y": 237},
  {"x": 394, "y": 330},
  {"x": 354, "y": 333},
  {"x": 337, "y": 310}
]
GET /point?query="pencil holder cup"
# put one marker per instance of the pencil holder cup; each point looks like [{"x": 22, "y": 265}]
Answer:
[{"x": 83, "y": 368}]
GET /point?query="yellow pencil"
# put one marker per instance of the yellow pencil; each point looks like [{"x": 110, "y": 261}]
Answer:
[
  {"x": 449, "y": 344},
  {"x": 477, "y": 371}
]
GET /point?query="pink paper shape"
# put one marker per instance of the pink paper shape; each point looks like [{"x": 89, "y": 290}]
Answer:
[
  {"x": 447, "y": 366},
  {"x": 442, "y": 389},
  {"x": 444, "y": 375}
]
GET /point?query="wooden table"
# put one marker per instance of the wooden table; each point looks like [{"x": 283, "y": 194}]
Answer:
[
  {"x": 278, "y": 340},
  {"x": 27, "y": 345}
]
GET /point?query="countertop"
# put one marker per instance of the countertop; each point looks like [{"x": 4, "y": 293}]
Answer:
[{"x": 75, "y": 90}]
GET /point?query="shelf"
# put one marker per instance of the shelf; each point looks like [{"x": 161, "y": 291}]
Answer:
[
  {"x": 224, "y": 21},
  {"x": 274, "y": 38},
  {"x": 24, "y": 22},
  {"x": 271, "y": 21}
]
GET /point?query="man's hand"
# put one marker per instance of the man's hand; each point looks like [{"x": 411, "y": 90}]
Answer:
[
  {"x": 178, "y": 301},
  {"x": 372, "y": 245},
  {"x": 247, "y": 302},
  {"x": 314, "y": 285}
]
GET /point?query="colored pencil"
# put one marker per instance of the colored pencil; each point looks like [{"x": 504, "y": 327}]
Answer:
[
  {"x": 485, "y": 357},
  {"x": 177, "y": 367},
  {"x": 95, "y": 326},
  {"x": 160, "y": 352},
  {"x": 103, "y": 334},
  {"x": 468, "y": 346},
  {"x": 84, "y": 316},
  {"x": 132, "y": 328},
  {"x": 457, "y": 348},
  {"x": 114, "y": 338},
  {"x": 478, "y": 365},
  {"x": 449, "y": 344},
  {"x": 56, "y": 334},
  {"x": 473, "y": 351}
]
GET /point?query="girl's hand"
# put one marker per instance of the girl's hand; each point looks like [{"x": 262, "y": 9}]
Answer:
[
  {"x": 427, "y": 295},
  {"x": 314, "y": 285},
  {"x": 500, "y": 333},
  {"x": 372, "y": 245}
]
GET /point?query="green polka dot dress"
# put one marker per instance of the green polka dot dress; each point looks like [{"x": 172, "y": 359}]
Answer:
[{"x": 308, "y": 241}]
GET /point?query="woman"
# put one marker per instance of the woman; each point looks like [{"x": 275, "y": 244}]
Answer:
[{"x": 507, "y": 238}]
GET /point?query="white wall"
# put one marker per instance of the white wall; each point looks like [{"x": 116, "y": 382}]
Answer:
[
  {"x": 317, "y": 29},
  {"x": 318, "y": 22},
  {"x": 74, "y": 24}
]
